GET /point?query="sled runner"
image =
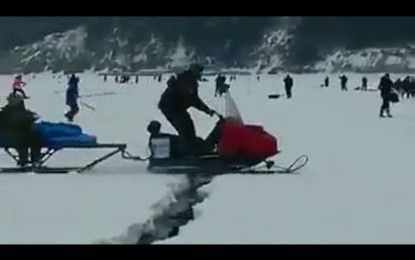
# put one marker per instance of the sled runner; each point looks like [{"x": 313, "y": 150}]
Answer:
[{"x": 49, "y": 151}]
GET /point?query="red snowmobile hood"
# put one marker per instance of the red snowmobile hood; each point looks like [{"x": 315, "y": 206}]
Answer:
[{"x": 243, "y": 140}]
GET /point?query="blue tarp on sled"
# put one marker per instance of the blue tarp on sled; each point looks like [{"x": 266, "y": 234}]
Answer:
[
  {"x": 62, "y": 135},
  {"x": 54, "y": 135}
]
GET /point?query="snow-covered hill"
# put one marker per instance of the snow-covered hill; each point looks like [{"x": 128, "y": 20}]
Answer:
[
  {"x": 272, "y": 50},
  {"x": 276, "y": 49},
  {"x": 56, "y": 51},
  {"x": 370, "y": 60},
  {"x": 68, "y": 51}
]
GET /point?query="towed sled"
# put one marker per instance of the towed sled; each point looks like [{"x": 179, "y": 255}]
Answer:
[
  {"x": 239, "y": 148},
  {"x": 55, "y": 138}
]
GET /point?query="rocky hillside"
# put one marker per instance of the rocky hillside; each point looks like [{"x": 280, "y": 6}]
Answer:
[
  {"x": 264, "y": 44},
  {"x": 398, "y": 59}
]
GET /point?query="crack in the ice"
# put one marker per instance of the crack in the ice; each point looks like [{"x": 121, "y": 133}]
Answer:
[
  {"x": 178, "y": 213},
  {"x": 172, "y": 213}
]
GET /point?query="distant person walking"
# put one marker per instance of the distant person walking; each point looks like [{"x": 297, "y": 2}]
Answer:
[
  {"x": 326, "y": 82},
  {"x": 72, "y": 96},
  {"x": 385, "y": 87},
  {"x": 364, "y": 84},
  {"x": 343, "y": 82},
  {"x": 288, "y": 84}
]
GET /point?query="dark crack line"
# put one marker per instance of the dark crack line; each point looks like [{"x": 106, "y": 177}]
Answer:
[{"x": 178, "y": 213}]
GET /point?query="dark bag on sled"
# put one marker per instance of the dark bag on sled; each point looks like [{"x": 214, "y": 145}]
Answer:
[{"x": 393, "y": 97}]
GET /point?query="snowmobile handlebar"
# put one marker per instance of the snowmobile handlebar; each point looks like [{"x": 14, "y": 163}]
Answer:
[{"x": 218, "y": 115}]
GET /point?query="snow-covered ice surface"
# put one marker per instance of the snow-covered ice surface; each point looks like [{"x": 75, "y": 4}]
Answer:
[
  {"x": 357, "y": 188},
  {"x": 76, "y": 209},
  {"x": 92, "y": 207}
]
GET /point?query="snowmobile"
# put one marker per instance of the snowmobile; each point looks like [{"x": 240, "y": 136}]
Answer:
[
  {"x": 239, "y": 148},
  {"x": 214, "y": 164}
]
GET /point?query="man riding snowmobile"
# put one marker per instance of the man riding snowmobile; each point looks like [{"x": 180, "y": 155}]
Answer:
[
  {"x": 181, "y": 94},
  {"x": 231, "y": 146}
]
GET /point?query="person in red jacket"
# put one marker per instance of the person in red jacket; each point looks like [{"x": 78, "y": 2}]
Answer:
[{"x": 18, "y": 85}]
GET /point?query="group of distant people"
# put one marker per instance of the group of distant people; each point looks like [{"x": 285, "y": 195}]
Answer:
[{"x": 389, "y": 90}]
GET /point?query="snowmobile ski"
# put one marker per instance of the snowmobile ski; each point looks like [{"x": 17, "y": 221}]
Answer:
[{"x": 218, "y": 167}]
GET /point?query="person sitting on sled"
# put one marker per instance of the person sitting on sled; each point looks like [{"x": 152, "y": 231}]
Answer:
[
  {"x": 18, "y": 85},
  {"x": 16, "y": 122},
  {"x": 181, "y": 94}
]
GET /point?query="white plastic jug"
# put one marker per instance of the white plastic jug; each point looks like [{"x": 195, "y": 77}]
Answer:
[{"x": 160, "y": 147}]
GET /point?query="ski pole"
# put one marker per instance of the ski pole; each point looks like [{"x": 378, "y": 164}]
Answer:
[{"x": 87, "y": 105}]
